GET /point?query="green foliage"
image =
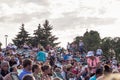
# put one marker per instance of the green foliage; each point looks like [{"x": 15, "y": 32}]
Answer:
[
  {"x": 38, "y": 36},
  {"x": 111, "y": 43},
  {"x": 48, "y": 37},
  {"x": 91, "y": 40},
  {"x": 0, "y": 44},
  {"x": 106, "y": 46},
  {"x": 43, "y": 35},
  {"x": 116, "y": 47},
  {"x": 22, "y": 37}
]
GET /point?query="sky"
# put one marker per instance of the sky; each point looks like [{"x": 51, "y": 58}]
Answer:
[{"x": 69, "y": 18}]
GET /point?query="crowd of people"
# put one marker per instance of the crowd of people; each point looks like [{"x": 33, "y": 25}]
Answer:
[{"x": 49, "y": 63}]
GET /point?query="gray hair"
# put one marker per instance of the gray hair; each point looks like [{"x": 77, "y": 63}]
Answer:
[{"x": 3, "y": 63}]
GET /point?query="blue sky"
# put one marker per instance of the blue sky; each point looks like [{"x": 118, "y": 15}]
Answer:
[{"x": 69, "y": 18}]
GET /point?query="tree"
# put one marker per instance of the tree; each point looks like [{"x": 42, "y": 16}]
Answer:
[
  {"x": 106, "y": 46},
  {"x": 48, "y": 37},
  {"x": 116, "y": 47},
  {"x": 0, "y": 44},
  {"x": 38, "y": 36},
  {"x": 109, "y": 44},
  {"x": 22, "y": 37},
  {"x": 91, "y": 40},
  {"x": 43, "y": 35}
]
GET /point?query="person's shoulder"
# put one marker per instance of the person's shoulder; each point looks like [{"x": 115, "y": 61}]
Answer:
[
  {"x": 23, "y": 72},
  {"x": 93, "y": 78},
  {"x": 41, "y": 52}
]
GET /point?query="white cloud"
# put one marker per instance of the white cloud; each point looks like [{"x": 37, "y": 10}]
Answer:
[
  {"x": 17, "y": 8},
  {"x": 64, "y": 15},
  {"x": 58, "y": 7}
]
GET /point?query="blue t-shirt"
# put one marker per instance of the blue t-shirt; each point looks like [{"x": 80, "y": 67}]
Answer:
[
  {"x": 41, "y": 56},
  {"x": 23, "y": 73},
  {"x": 66, "y": 57},
  {"x": 93, "y": 77}
]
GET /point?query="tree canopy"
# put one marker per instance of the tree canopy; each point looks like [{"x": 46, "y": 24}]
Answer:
[
  {"x": 22, "y": 37},
  {"x": 92, "y": 41},
  {"x": 41, "y": 36}
]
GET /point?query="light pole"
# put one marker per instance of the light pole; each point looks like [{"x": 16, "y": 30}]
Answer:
[{"x": 6, "y": 36}]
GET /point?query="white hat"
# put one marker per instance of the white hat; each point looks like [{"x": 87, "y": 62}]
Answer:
[{"x": 90, "y": 53}]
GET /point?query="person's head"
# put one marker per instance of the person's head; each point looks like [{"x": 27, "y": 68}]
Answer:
[
  {"x": 46, "y": 69},
  {"x": 58, "y": 70},
  {"x": 69, "y": 67},
  {"x": 5, "y": 65},
  {"x": 64, "y": 68},
  {"x": 28, "y": 77},
  {"x": 12, "y": 58},
  {"x": 36, "y": 68},
  {"x": 56, "y": 78},
  {"x": 27, "y": 64},
  {"x": 71, "y": 75},
  {"x": 41, "y": 49},
  {"x": 108, "y": 62},
  {"x": 107, "y": 70},
  {"x": 75, "y": 63},
  {"x": 99, "y": 72},
  {"x": 90, "y": 54}
]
